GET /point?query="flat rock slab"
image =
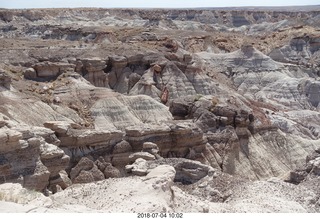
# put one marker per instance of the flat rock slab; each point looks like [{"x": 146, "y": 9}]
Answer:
[{"x": 143, "y": 155}]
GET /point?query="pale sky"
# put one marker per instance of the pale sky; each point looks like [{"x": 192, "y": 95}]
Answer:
[{"x": 149, "y": 3}]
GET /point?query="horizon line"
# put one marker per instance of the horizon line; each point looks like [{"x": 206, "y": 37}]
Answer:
[{"x": 202, "y": 7}]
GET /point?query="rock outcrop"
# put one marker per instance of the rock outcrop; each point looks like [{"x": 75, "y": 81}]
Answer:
[
  {"x": 301, "y": 50},
  {"x": 92, "y": 70},
  {"x": 29, "y": 159},
  {"x": 48, "y": 70},
  {"x": 189, "y": 106},
  {"x": 151, "y": 148},
  {"x": 173, "y": 140},
  {"x": 85, "y": 172},
  {"x": 5, "y": 80},
  {"x": 78, "y": 142}
]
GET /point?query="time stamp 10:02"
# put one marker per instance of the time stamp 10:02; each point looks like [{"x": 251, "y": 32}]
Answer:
[{"x": 159, "y": 215}]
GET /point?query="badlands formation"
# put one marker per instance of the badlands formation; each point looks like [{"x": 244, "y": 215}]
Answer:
[{"x": 131, "y": 110}]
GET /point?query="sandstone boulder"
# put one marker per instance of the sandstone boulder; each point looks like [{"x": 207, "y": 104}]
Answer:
[
  {"x": 106, "y": 168},
  {"x": 84, "y": 177},
  {"x": 92, "y": 69},
  {"x": 122, "y": 147},
  {"x": 189, "y": 171},
  {"x": 65, "y": 178},
  {"x": 46, "y": 133},
  {"x": 10, "y": 140},
  {"x": 61, "y": 181},
  {"x": 118, "y": 62},
  {"x": 86, "y": 171},
  {"x": 186, "y": 171},
  {"x": 49, "y": 151},
  {"x": 165, "y": 172},
  {"x": 53, "y": 158},
  {"x": 143, "y": 155},
  {"x": 84, "y": 164},
  {"x": 111, "y": 171},
  {"x": 139, "y": 167},
  {"x": 39, "y": 179},
  {"x": 121, "y": 153},
  {"x": 151, "y": 148},
  {"x": 30, "y": 73},
  {"x": 61, "y": 127},
  {"x": 89, "y": 176},
  {"x": 161, "y": 177}
]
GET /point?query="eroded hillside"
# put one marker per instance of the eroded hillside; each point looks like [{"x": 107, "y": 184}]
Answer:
[{"x": 195, "y": 104}]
